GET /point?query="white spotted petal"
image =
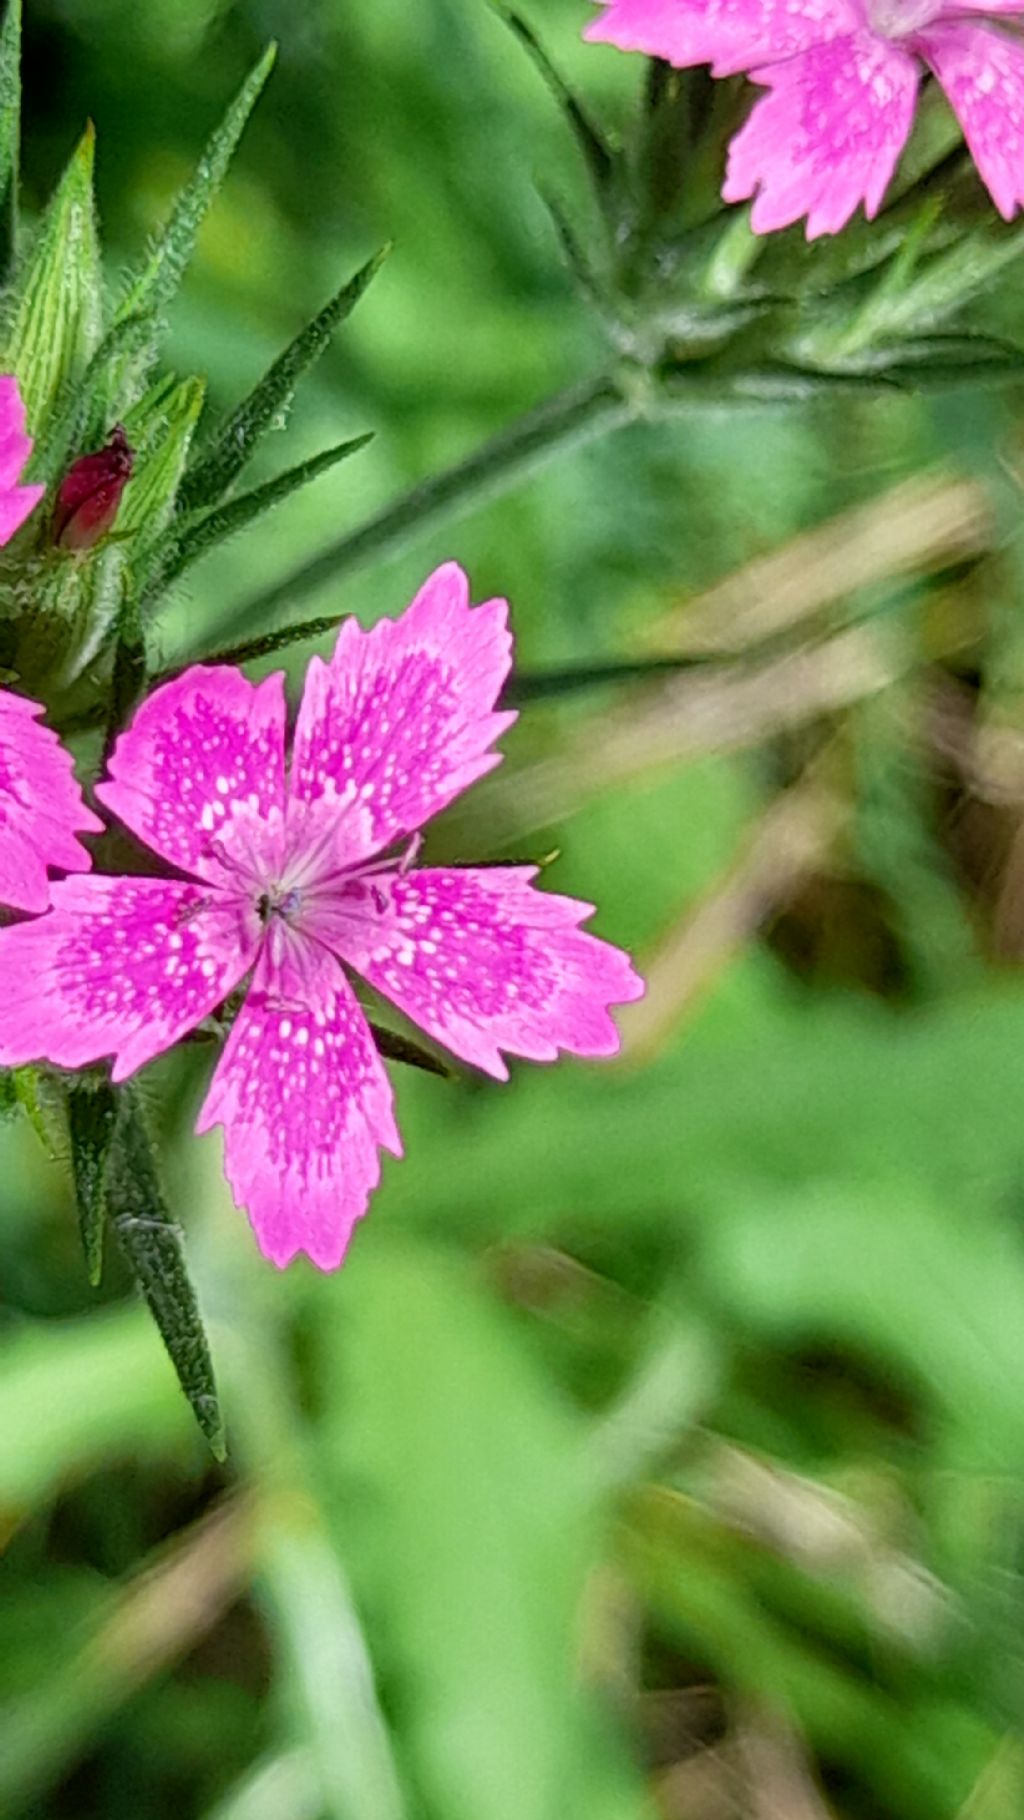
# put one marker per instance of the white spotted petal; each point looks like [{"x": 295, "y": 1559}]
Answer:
[
  {"x": 403, "y": 718},
  {"x": 120, "y": 967}
]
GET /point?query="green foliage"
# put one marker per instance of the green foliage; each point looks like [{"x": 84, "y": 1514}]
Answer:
[
  {"x": 57, "y": 316},
  {"x": 153, "y": 1244},
  {"x": 10, "y": 130},
  {"x": 234, "y": 442},
  {"x": 658, "y": 1448},
  {"x": 201, "y": 531},
  {"x": 92, "y": 1120}
]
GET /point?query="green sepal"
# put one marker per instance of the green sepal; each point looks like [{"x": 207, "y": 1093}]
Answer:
[
  {"x": 80, "y": 423},
  {"x": 207, "y": 529},
  {"x": 92, "y": 1117},
  {"x": 231, "y": 444},
  {"x": 40, "y": 1096},
  {"x": 151, "y": 288},
  {"x": 57, "y": 319},
  {"x": 10, "y": 133},
  {"x": 160, "y": 430},
  {"x": 153, "y": 1246}
]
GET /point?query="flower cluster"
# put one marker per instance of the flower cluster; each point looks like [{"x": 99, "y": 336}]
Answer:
[
  {"x": 287, "y": 873},
  {"x": 844, "y": 78}
]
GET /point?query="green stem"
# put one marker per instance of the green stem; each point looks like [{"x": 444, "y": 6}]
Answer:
[{"x": 574, "y": 417}]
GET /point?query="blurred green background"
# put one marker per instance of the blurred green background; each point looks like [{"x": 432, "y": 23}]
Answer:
[{"x": 660, "y": 1449}]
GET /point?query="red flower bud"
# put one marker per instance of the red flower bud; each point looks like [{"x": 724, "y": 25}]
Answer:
[{"x": 90, "y": 494}]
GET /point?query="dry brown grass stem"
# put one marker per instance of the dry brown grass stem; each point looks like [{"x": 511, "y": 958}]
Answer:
[
  {"x": 789, "y": 842},
  {"x": 923, "y": 525}
]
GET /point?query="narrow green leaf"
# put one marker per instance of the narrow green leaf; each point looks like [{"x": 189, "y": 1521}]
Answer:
[
  {"x": 265, "y": 644},
  {"x": 10, "y": 130},
  {"x": 398, "y": 1048},
  {"x": 232, "y": 444},
  {"x": 58, "y": 318},
  {"x": 206, "y": 529},
  {"x": 92, "y": 1116},
  {"x": 548, "y": 685},
  {"x": 152, "y": 1243},
  {"x": 597, "y": 155},
  {"x": 155, "y": 284}
]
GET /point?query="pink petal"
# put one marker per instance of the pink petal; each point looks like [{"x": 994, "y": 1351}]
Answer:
[
  {"x": 731, "y": 35},
  {"x": 827, "y": 138},
  {"x": 41, "y": 807},
  {"x": 483, "y": 962},
  {"x": 120, "y": 967},
  {"x": 201, "y": 749},
  {"x": 401, "y": 720},
  {"x": 982, "y": 72},
  {"x": 305, "y": 1103},
  {"x": 15, "y": 448}
]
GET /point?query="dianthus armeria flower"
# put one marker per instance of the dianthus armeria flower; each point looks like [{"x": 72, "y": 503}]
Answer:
[
  {"x": 844, "y": 77},
  {"x": 41, "y": 807},
  {"x": 294, "y": 874}
]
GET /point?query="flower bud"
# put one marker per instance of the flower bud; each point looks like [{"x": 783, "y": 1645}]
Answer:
[{"x": 90, "y": 494}]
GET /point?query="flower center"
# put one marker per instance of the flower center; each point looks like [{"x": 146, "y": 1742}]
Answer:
[
  {"x": 280, "y": 900},
  {"x": 898, "y": 18}
]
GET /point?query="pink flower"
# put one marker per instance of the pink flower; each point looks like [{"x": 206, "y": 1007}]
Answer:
[
  {"x": 16, "y": 502},
  {"x": 41, "y": 806},
  {"x": 843, "y": 76},
  {"x": 290, "y": 881}
]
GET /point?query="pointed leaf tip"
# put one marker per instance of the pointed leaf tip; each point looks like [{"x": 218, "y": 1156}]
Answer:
[
  {"x": 234, "y": 440},
  {"x": 155, "y": 283}
]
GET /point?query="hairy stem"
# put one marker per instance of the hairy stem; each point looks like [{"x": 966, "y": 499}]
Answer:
[{"x": 573, "y": 417}]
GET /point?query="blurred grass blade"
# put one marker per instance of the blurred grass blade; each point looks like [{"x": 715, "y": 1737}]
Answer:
[
  {"x": 285, "y": 1783},
  {"x": 10, "y": 132},
  {"x": 471, "y": 1475},
  {"x": 140, "y": 1630},
  {"x": 57, "y": 320},
  {"x": 234, "y": 441},
  {"x": 51, "y": 1434},
  {"x": 92, "y": 1116},
  {"x": 186, "y": 545},
  {"x": 597, "y": 154},
  {"x": 153, "y": 1245}
]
